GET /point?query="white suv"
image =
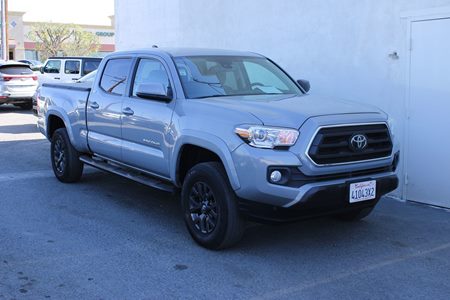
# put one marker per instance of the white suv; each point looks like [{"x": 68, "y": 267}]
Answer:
[
  {"x": 18, "y": 84},
  {"x": 67, "y": 69}
]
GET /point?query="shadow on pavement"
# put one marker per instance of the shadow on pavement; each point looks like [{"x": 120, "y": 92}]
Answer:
[{"x": 8, "y": 108}]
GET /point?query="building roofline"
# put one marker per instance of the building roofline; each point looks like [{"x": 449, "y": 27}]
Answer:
[
  {"x": 82, "y": 25},
  {"x": 16, "y": 13}
]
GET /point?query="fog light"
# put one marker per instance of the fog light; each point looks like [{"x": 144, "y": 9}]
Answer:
[{"x": 275, "y": 176}]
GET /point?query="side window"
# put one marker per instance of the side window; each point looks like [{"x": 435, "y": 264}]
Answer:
[
  {"x": 72, "y": 67},
  {"x": 52, "y": 66},
  {"x": 89, "y": 66},
  {"x": 150, "y": 71},
  {"x": 114, "y": 78}
]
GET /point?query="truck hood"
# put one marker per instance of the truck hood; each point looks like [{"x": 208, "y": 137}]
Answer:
[{"x": 288, "y": 110}]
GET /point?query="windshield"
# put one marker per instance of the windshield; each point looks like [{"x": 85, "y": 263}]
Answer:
[{"x": 217, "y": 76}]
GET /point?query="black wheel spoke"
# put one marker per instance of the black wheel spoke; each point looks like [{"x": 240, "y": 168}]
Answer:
[
  {"x": 203, "y": 208},
  {"x": 59, "y": 156}
]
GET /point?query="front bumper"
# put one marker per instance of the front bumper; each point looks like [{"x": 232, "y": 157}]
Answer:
[
  {"x": 305, "y": 195},
  {"x": 317, "y": 201}
]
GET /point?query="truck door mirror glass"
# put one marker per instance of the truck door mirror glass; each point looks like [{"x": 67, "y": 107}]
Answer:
[
  {"x": 154, "y": 91},
  {"x": 41, "y": 69},
  {"x": 305, "y": 85}
]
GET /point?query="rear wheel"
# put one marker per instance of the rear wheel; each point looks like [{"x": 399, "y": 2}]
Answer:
[
  {"x": 65, "y": 158},
  {"x": 210, "y": 207},
  {"x": 355, "y": 215}
]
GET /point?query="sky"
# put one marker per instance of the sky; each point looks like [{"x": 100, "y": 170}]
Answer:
[{"x": 92, "y": 12}]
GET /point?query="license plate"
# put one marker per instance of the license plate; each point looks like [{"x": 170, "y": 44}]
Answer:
[{"x": 362, "y": 191}]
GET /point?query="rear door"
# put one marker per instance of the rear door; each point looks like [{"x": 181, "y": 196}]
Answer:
[
  {"x": 71, "y": 71},
  {"x": 146, "y": 123},
  {"x": 104, "y": 108}
]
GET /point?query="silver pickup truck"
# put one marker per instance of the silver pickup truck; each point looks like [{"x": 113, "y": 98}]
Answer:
[{"x": 234, "y": 133}]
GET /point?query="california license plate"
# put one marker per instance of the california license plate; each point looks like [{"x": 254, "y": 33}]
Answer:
[{"x": 362, "y": 191}]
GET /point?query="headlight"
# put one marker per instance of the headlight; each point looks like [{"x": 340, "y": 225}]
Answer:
[
  {"x": 267, "y": 137},
  {"x": 391, "y": 125}
]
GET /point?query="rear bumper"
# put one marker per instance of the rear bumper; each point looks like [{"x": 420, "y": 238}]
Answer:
[{"x": 317, "y": 201}]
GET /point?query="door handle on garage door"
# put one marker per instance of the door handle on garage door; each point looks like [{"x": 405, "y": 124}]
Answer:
[
  {"x": 94, "y": 105},
  {"x": 127, "y": 111}
]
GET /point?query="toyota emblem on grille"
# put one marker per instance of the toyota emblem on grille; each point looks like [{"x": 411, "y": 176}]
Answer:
[{"x": 358, "y": 142}]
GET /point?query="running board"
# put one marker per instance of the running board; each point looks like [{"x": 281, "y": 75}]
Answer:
[{"x": 128, "y": 173}]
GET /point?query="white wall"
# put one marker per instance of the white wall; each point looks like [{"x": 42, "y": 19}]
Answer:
[{"x": 342, "y": 47}]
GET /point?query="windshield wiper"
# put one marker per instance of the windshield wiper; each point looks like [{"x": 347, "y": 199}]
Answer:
[{"x": 210, "y": 96}]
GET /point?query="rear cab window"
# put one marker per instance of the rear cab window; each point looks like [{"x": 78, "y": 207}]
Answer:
[
  {"x": 72, "y": 67},
  {"x": 115, "y": 76}
]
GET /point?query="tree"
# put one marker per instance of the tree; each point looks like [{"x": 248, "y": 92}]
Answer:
[
  {"x": 53, "y": 39},
  {"x": 81, "y": 43}
]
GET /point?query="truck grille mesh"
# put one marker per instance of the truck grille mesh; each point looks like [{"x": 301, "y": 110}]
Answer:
[{"x": 332, "y": 145}]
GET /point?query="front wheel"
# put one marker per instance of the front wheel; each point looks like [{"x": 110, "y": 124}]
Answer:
[
  {"x": 210, "y": 207},
  {"x": 65, "y": 158}
]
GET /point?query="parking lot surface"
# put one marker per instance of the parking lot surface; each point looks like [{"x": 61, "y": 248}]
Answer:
[{"x": 109, "y": 238}]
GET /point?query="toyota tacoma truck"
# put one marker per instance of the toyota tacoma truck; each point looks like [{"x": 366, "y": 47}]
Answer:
[{"x": 232, "y": 132}]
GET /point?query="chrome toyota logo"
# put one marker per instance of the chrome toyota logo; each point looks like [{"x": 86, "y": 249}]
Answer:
[{"x": 358, "y": 142}]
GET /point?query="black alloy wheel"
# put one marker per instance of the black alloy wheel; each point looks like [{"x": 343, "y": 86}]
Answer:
[
  {"x": 203, "y": 207},
  {"x": 66, "y": 163},
  {"x": 59, "y": 156},
  {"x": 210, "y": 207}
]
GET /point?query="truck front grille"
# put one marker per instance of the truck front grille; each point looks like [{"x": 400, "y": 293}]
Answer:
[{"x": 345, "y": 144}]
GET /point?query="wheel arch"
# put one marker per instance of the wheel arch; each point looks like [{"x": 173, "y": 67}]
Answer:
[
  {"x": 201, "y": 149},
  {"x": 56, "y": 120}
]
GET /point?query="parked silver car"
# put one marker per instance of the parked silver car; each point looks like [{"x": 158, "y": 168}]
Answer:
[{"x": 18, "y": 84}]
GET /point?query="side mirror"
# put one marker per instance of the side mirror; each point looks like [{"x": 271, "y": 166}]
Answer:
[
  {"x": 306, "y": 86},
  {"x": 154, "y": 91},
  {"x": 41, "y": 69}
]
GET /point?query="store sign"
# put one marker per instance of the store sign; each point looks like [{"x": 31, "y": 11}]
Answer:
[{"x": 104, "y": 33}]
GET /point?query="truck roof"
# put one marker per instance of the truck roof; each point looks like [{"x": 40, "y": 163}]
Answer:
[{"x": 177, "y": 52}]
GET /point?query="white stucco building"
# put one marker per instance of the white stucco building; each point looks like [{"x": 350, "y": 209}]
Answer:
[{"x": 390, "y": 53}]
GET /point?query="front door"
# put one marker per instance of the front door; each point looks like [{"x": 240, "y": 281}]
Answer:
[
  {"x": 146, "y": 123},
  {"x": 104, "y": 109},
  {"x": 428, "y": 148}
]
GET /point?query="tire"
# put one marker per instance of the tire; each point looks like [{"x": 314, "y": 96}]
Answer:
[
  {"x": 65, "y": 159},
  {"x": 210, "y": 207},
  {"x": 355, "y": 215},
  {"x": 26, "y": 106}
]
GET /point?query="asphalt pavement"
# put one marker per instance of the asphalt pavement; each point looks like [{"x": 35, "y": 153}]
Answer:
[{"x": 109, "y": 238}]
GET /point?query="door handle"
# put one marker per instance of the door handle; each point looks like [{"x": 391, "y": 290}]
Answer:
[
  {"x": 94, "y": 105},
  {"x": 127, "y": 111},
  {"x": 57, "y": 78}
]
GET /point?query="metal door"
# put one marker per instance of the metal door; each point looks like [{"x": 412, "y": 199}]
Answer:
[
  {"x": 104, "y": 109},
  {"x": 146, "y": 122},
  {"x": 428, "y": 146}
]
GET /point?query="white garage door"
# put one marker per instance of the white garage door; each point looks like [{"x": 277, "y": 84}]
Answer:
[{"x": 428, "y": 149}]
